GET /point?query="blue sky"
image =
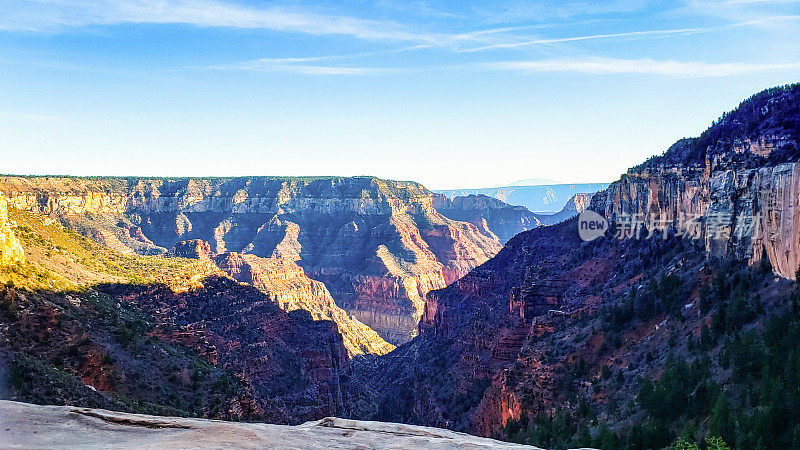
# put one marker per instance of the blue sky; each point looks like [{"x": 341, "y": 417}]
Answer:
[{"x": 448, "y": 93}]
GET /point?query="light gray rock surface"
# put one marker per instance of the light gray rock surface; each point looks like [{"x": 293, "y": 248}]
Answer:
[{"x": 24, "y": 425}]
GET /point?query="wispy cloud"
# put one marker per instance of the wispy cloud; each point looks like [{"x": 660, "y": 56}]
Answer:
[
  {"x": 52, "y": 15},
  {"x": 304, "y": 66},
  {"x": 631, "y": 34},
  {"x": 640, "y": 66},
  {"x": 766, "y": 13}
]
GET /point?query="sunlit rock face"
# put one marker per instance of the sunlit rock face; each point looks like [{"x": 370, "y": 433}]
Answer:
[
  {"x": 738, "y": 181},
  {"x": 748, "y": 213},
  {"x": 10, "y": 249},
  {"x": 379, "y": 246},
  {"x": 288, "y": 286}
]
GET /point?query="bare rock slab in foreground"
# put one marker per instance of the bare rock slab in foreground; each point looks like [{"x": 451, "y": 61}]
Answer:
[{"x": 24, "y": 425}]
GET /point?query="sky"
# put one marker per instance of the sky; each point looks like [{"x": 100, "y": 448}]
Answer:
[{"x": 453, "y": 94}]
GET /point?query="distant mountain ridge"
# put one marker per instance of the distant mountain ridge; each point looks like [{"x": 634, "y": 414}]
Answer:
[
  {"x": 498, "y": 218},
  {"x": 547, "y": 199},
  {"x": 535, "y": 182}
]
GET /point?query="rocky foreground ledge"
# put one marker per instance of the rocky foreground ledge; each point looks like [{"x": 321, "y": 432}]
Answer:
[{"x": 23, "y": 425}]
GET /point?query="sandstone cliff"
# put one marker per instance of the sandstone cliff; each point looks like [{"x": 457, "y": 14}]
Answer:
[
  {"x": 379, "y": 246},
  {"x": 10, "y": 249},
  {"x": 736, "y": 187}
]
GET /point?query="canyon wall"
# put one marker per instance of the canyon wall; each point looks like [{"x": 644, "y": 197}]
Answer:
[
  {"x": 293, "y": 368},
  {"x": 290, "y": 288},
  {"x": 10, "y": 249},
  {"x": 379, "y": 246},
  {"x": 740, "y": 212}
]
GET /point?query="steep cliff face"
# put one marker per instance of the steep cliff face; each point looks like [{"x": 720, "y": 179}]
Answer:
[
  {"x": 741, "y": 213},
  {"x": 288, "y": 286},
  {"x": 379, "y": 246},
  {"x": 473, "y": 330},
  {"x": 735, "y": 187},
  {"x": 576, "y": 205},
  {"x": 10, "y": 249},
  {"x": 579, "y": 202}
]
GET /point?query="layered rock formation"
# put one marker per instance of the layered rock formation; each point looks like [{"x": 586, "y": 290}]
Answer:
[
  {"x": 496, "y": 218},
  {"x": 576, "y": 205},
  {"x": 473, "y": 330},
  {"x": 749, "y": 213},
  {"x": 730, "y": 187},
  {"x": 379, "y": 246},
  {"x": 193, "y": 249},
  {"x": 83, "y": 325},
  {"x": 10, "y": 249}
]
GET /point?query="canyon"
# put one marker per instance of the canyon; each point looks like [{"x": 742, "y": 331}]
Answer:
[
  {"x": 492, "y": 216},
  {"x": 378, "y": 246},
  {"x": 503, "y": 350},
  {"x": 291, "y": 299},
  {"x": 290, "y": 289},
  {"x": 498, "y": 219}
]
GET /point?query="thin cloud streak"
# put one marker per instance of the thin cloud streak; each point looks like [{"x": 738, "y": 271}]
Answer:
[
  {"x": 301, "y": 66},
  {"x": 55, "y": 15},
  {"x": 646, "y": 33},
  {"x": 58, "y": 15},
  {"x": 640, "y": 66}
]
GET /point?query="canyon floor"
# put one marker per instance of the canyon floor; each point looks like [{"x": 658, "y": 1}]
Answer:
[{"x": 23, "y": 425}]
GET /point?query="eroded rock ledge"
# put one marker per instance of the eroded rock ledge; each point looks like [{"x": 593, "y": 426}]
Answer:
[{"x": 24, "y": 425}]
